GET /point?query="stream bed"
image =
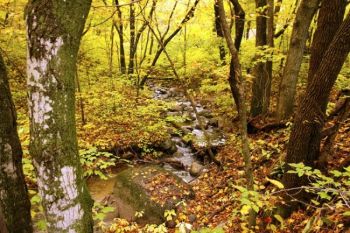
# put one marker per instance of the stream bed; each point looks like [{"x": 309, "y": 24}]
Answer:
[{"x": 185, "y": 153}]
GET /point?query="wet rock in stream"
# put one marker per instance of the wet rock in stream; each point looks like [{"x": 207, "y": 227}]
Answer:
[
  {"x": 196, "y": 169},
  {"x": 150, "y": 189}
]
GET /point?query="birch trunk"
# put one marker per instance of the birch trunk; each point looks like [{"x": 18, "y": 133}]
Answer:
[{"x": 54, "y": 30}]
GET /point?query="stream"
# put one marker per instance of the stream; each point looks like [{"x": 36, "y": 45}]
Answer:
[{"x": 185, "y": 152}]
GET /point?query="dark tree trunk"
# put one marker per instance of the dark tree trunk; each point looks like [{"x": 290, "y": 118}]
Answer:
[
  {"x": 239, "y": 93},
  {"x": 239, "y": 26},
  {"x": 14, "y": 201},
  {"x": 133, "y": 47},
  {"x": 219, "y": 34},
  {"x": 120, "y": 30},
  {"x": 305, "y": 137},
  {"x": 239, "y": 22},
  {"x": 54, "y": 33},
  {"x": 261, "y": 83},
  {"x": 270, "y": 43},
  {"x": 3, "y": 227},
  {"x": 330, "y": 17}
]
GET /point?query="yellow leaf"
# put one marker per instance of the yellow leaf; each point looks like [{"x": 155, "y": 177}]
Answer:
[
  {"x": 245, "y": 210},
  {"x": 276, "y": 183}
]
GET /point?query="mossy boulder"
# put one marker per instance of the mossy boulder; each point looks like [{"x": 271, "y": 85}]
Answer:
[{"x": 150, "y": 189}]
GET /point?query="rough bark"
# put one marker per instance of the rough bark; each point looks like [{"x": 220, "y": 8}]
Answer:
[
  {"x": 239, "y": 26},
  {"x": 54, "y": 33},
  {"x": 120, "y": 29},
  {"x": 132, "y": 39},
  {"x": 219, "y": 33},
  {"x": 239, "y": 22},
  {"x": 241, "y": 105},
  {"x": 328, "y": 146},
  {"x": 329, "y": 19},
  {"x": 3, "y": 227},
  {"x": 305, "y": 137},
  {"x": 14, "y": 201},
  {"x": 261, "y": 83},
  {"x": 270, "y": 43},
  {"x": 304, "y": 15}
]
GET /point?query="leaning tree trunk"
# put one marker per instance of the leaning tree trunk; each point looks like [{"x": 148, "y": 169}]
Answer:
[
  {"x": 14, "y": 201},
  {"x": 298, "y": 39},
  {"x": 261, "y": 83},
  {"x": 305, "y": 137},
  {"x": 330, "y": 17},
  {"x": 239, "y": 30},
  {"x": 238, "y": 92},
  {"x": 54, "y": 33}
]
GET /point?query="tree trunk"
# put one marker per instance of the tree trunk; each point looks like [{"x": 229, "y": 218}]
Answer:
[
  {"x": 219, "y": 33},
  {"x": 305, "y": 137},
  {"x": 239, "y": 26},
  {"x": 133, "y": 47},
  {"x": 261, "y": 83},
  {"x": 330, "y": 17},
  {"x": 14, "y": 201},
  {"x": 3, "y": 227},
  {"x": 54, "y": 33},
  {"x": 239, "y": 22},
  {"x": 270, "y": 43},
  {"x": 120, "y": 30},
  {"x": 299, "y": 36},
  {"x": 241, "y": 105}
]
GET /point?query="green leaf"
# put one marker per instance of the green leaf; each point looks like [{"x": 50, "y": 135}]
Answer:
[{"x": 346, "y": 214}]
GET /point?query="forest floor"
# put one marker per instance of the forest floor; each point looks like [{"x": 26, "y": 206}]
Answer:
[{"x": 217, "y": 202}]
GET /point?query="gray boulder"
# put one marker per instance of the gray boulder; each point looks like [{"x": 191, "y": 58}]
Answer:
[{"x": 150, "y": 189}]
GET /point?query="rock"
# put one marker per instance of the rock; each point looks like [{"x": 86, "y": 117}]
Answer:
[
  {"x": 213, "y": 122},
  {"x": 196, "y": 169},
  {"x": 176, "y": 108},
  {"x": 161, "y": 91},
  {"x": 177, "y": 154},
  {"x": 205, "y": 123},
  {"x": 173, "y": 113},
  {"x": 189, "y": 117},
  {"x": 186, "y": 129},
  {"x": 137, "y": 189},
  {"x": 168, "y": 146},
  {"x": 205, "y": 113}
]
